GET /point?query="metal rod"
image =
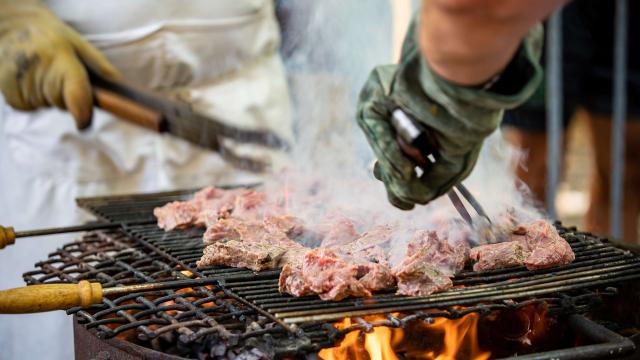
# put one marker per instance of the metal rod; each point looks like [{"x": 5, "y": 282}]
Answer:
[
  {"x": 619, "y": 116},
  {"x": 74, "y": 228},
  {"x": 165, "y": 285},
  {"x": 554, "y": 109}
]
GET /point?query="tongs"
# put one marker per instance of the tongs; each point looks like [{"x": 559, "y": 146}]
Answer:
[
  {"x": 414, "y": 142},
  {"x": 162, "y": 114}
]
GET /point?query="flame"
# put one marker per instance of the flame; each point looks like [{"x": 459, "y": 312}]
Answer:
[{"x": 458, "y": 339}]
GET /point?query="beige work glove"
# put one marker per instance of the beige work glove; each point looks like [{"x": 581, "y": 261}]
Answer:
[{"x": 43, "y": 61}]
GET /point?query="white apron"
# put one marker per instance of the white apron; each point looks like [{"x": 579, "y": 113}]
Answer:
[{"x": 221, "y": 55}]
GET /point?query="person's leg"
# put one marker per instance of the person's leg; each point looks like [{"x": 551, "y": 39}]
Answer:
[
  {"x": 597, "y": 217},
  {"x": 532, "y": 168}
]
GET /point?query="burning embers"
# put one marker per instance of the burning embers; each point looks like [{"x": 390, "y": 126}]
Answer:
[{"x": 248, "y": 228}]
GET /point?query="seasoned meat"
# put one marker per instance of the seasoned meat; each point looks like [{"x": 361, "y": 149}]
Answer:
[
  {"x": 248, "y": 231},
  {"x": 438, "y": 252},
  {"x": 416, "y": 276},
  {"x": 255, "y": 256},
  {"x": 497, "y": 256},
  {"x": 536, "y": 245},
  {"x": 547, "y": 247},
  {"x": 370, "y": 246}
]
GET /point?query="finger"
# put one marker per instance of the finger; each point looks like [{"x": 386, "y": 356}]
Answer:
[
  {"x": 76, "y": 91},
  {"x": 52, "y": 88},
  {"x": 93, "y": 58},
  {"x": 10, "y": 87}
]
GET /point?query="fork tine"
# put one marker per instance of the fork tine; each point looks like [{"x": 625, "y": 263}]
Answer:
[{"x": 472, "y": 200}]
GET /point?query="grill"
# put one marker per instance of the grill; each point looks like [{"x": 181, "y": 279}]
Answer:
[{"x": 243, "y": 312}]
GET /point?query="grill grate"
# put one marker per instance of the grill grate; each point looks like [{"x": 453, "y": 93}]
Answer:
[{"x": 244, "y": 310}]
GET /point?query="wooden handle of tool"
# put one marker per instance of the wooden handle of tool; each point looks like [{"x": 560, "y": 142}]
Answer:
[
  {"x": 40, "y": 298},
  {"x": 7, "y": 236},
  {"x": 127, "y": 109}
]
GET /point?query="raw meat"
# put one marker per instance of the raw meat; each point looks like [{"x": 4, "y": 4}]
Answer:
[
  {"x": 336, "y": 230},
  {"x": 176, "y": 215},
  {"x": 536, "y": 245},
  {"x": 322, "y": 272},
  {"x": 206, "y": 206},
  {"x": 376, "y": 276},
  {"x": 255, "y": 256}
]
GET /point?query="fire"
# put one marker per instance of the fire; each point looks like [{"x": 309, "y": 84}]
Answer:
[{"x": 442, "y": 339}]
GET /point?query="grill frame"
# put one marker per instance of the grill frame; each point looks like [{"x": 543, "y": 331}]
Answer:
[{"x": 141, "y": 252}]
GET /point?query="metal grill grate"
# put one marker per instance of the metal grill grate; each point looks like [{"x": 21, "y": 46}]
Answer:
[{"x": 244, "y": 310}]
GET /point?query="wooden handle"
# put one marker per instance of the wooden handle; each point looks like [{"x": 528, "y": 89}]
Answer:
[
  {"x": 40, "y": 298},
  {"x": 7, "y": 236},
  {"x": 127, "y": 109}
]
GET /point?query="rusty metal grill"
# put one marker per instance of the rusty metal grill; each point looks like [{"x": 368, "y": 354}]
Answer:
[{"x": 243, "y": 310}]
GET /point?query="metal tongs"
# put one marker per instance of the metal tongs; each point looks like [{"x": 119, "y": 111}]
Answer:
[
  {"x": 159, "y": 113},
  {"x": 414, "y": 142}
]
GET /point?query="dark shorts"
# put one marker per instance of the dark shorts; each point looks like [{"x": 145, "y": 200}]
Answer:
[{"x": 587, "y": 60}]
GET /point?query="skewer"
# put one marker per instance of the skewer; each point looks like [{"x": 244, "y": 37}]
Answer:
[
  {"x": 49, "y": 297},
  {"x": 8, "y": 235}
]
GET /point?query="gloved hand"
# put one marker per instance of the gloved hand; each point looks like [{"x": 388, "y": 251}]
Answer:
[
  {"x": 42, "y": 61},
  {"x": 457, "y": 119}
]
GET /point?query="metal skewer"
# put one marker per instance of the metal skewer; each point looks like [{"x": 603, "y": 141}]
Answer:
[{"x": 8, "y": 235}]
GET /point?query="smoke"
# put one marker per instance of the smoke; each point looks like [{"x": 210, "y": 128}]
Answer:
[{"x": 330, "y": 47}]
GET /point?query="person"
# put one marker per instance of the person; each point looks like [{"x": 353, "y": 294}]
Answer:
[
  {"x": 587, "y": 28},
  {"x": 221, "y": 57},
  {"x": 463, "y": 62}
]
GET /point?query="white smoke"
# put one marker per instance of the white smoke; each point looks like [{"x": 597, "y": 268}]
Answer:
[{"x": 336, "y": 46}]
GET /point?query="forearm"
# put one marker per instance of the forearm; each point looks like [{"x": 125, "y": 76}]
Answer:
[{"x": 469, "y": 41}]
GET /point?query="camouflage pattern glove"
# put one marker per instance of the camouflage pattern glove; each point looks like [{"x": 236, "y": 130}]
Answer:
[
  {"x": 457, "y": 118},
  {"x": 42, "y": 61}
]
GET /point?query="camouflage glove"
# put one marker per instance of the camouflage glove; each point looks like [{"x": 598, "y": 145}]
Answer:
[
  {"x": 42, "y": 61},
  {"x": 457, "y": 118}
]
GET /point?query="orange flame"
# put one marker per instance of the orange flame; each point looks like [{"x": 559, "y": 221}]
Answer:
[{"x": 458, "y": 340}]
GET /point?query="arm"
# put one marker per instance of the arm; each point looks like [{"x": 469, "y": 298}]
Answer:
[{"x": 468, "y": 42}]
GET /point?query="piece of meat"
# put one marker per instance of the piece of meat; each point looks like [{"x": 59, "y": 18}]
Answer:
[
  {"x": 536, "y": 245},
  {"x": 376, "y": 276},
  {"x": 176, "y": 215},
  {"x": 248, "y": 205},
  {"x": 438, "y": 252},
  {"x": 246, "y": 231},
  {"x": 416, "y": 276},
  {"x": 255, "y": 256},
  {"x": 497, "y": 256},
  {"x": 323, "y": 273},
  {"x": 290, "y": 225},
  {"x": 547, "y": 247},
  {"x": 291, "y": 281},
  {"x": 336, "y": 230},
  {"x": 205, "y": 207},
  {"x": 370, "y": 246}
]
